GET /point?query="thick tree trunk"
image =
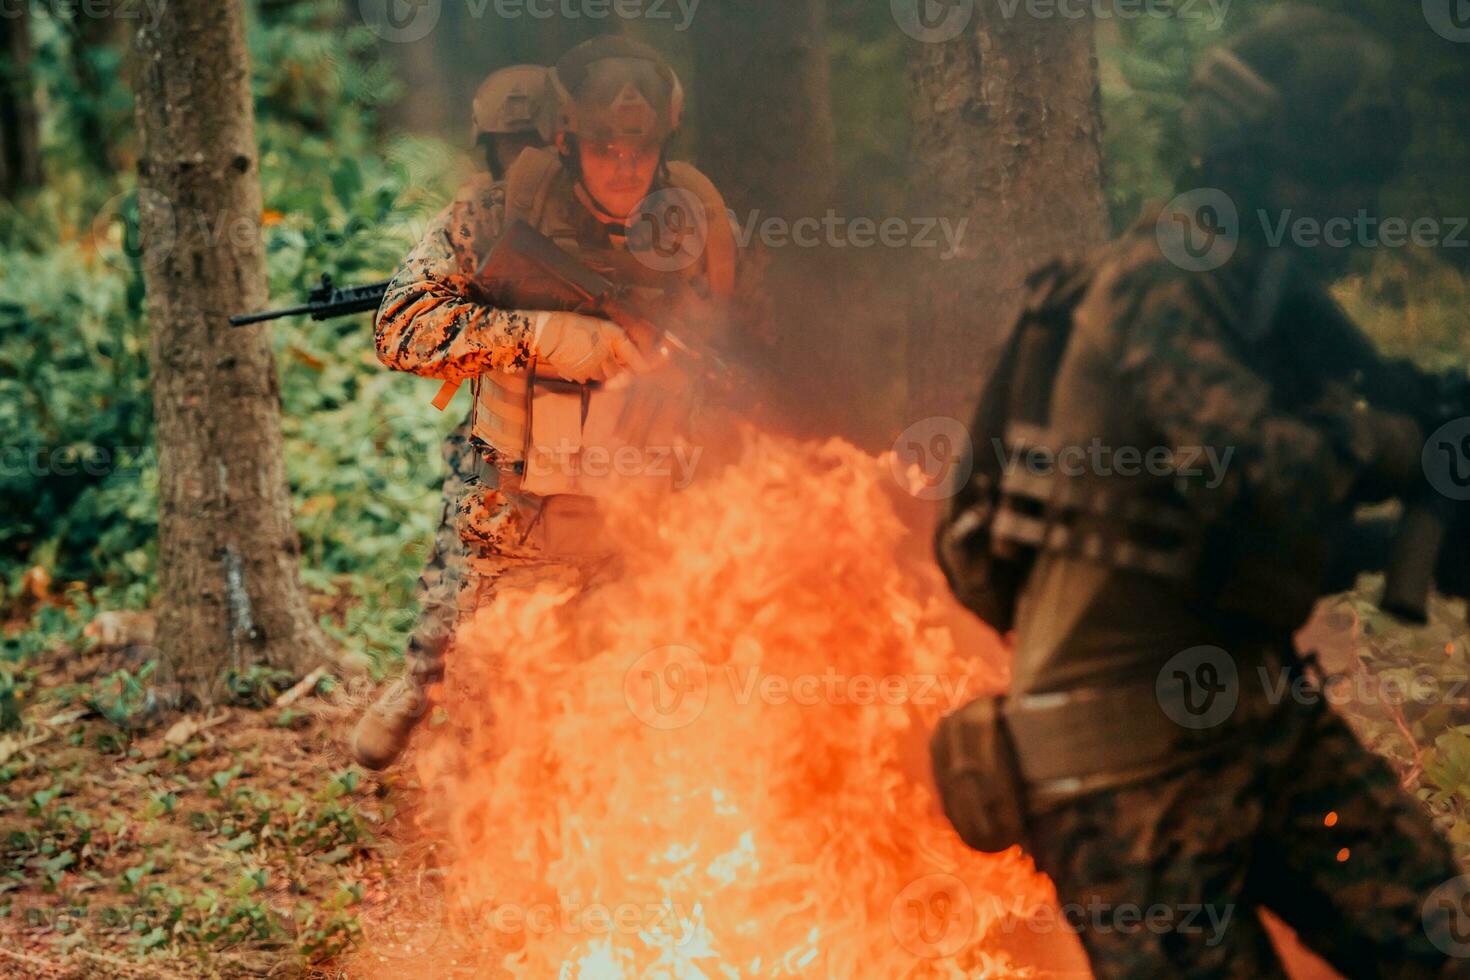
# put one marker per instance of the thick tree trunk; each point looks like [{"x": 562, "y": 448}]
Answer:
[
  {"x": 763, "y": 104},
  {"x": 1007, "y": 136},
  {"x": 20, "y": 139},
  {"x": 231, "y": 594}
]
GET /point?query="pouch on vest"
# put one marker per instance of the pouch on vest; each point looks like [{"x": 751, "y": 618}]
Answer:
[
  {"x": 978, "y": 777},
  {"x": 595, "y": 440}
]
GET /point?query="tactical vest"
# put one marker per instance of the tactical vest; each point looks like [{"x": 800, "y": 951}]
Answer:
[
  {"x": 522, "y": 413},
  {"x": 1022, "y": 499},
  {"x": 1054, "y": 395}
]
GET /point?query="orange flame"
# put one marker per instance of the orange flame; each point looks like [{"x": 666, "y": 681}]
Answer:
[{"x": 713, "y": 762}]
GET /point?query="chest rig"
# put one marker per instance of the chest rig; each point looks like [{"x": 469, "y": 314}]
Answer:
[
  {"x": 1039, "y": 488},
  {"x": 561, "y": 437},
  {"x": 1025, "y": 496}
]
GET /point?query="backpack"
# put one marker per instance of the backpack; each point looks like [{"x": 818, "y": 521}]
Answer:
[{"x": 985, "y": 574}]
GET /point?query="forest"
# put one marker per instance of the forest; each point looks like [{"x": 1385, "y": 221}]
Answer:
[{"x": 176, "y": 794}]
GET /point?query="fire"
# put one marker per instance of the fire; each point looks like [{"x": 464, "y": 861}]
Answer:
[{"x": 712, "y": 762}]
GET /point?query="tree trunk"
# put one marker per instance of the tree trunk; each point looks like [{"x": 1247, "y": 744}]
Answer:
[
  {"x": 20, "y": 130},
  {"x": 1007, "y": 136},
  {"x": 231, "y": 594},
  {"x": 763, "y": 104}
]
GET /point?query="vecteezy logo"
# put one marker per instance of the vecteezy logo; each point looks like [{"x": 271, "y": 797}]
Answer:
[
  {"x": 1446, "y": 459},
  {"x": 667, "y": 688},
  {"x": 669, "y": 230},
  {"x": 933, "y": 458},
  {"x": 1450, "y": 19},
  {"x": 933, "y": 917},
  {"x": 401, "y": 21},
  {"x": 117, "y": 229},
  {"x": 1446, "y": 917},
  {"x": 1198, "y": 688},
  {"x": 933, "y": 21},
  {"x": 1199, "y": 230}
]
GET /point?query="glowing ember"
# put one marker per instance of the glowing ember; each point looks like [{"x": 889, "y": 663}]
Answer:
[{"x": 713, "y": 761}]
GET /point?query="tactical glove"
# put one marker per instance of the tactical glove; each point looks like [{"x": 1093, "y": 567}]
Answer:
[{"x": 583, "y": 348}]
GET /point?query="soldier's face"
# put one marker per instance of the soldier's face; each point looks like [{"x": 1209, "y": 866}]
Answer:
[{"x": 618, "y": 175}]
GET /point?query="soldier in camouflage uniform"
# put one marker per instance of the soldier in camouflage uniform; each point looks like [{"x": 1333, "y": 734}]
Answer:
[
  {"x": 513, "y": 110},
  {"x": 619, "y": 105},
  {"x": 1162, "y": 779}
]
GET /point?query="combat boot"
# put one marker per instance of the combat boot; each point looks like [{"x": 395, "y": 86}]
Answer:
[{"x": 383, "y": 731}]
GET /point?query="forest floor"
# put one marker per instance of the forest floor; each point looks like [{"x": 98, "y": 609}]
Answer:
[{"x": 241, "y": 843}]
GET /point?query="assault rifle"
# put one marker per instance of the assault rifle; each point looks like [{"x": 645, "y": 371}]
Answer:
[
  {"x": 527, "y": 270},
  {"x": 1428, "y": 546},
  {"x": 324, "y": 302}
]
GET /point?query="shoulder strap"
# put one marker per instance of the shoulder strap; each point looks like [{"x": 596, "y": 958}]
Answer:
[
  {"x": 720, "y": 248},
  {"x": 1040, "y": 336}
]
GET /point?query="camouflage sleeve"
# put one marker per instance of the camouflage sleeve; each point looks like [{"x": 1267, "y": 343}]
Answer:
[
  {"x": 430, "y": 322},
  {"x": 1186, "y": 382}
]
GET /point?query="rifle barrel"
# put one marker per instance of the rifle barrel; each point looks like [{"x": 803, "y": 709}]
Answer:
[
  {"x": 246, "y": 319},
  {"x": 324, "y": 306}
]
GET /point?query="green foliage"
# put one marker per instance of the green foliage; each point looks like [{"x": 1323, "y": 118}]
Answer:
[
  {"x": 1412, "y": 305},
  {"x": 1145, "y": 67},
  {"x": 90, "y": 127},
  {"x": 78, "y": 476},
  {"x": 77, "y": 481},
  {"x": 868, "y": 61}
]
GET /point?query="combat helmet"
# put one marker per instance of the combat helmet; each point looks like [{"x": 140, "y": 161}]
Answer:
[
  {"x": 1302, "y": 91},
  {"x": 613, "y": 88},
  {"x": 515, "y": 100}
]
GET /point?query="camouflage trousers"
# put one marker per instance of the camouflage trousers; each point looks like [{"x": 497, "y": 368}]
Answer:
[
  {"x": 439, "y": 583},
  {"x": 487, "y": 575},
  {"x": 1164, "y": 878},
  {"x": 459, "y": 576}
]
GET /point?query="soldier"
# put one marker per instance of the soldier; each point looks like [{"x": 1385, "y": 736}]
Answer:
[
  {"x": 620, "y": 105},
  {"x": 1146, "y": 754},
  {"x": 514, "y": 110}
]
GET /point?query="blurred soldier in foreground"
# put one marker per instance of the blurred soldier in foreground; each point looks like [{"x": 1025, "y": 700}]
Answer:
[
  {"x": 514, "y": 110},
  {"x": 1183, "y": 427},
  {"x": 524, "y": 516}
]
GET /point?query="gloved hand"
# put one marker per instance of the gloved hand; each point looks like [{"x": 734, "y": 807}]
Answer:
[{"x": 583, "y": 348}]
